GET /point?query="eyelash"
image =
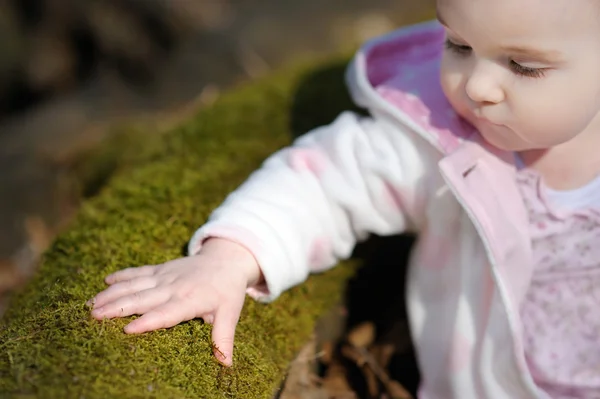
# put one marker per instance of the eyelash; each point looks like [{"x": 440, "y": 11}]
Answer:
[{"x": 517, "y": 68}]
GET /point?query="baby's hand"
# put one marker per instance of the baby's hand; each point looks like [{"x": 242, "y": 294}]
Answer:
[{"x": 211, "y": 285}]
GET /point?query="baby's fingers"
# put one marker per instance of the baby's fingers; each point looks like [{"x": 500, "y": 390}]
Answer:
[
  {"x": 164, "y": 316},
  {"x": 122, "y": 289},
  {"x": 223, "y": 332},
  {"x": 130, "y": 273},
  {"x": 138, "y": 302}
]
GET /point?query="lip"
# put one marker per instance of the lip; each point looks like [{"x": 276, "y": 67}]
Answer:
[{"x": 486, "y": 121}]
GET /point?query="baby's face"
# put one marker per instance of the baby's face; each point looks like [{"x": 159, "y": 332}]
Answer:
[{"x": 526, "y": 73}]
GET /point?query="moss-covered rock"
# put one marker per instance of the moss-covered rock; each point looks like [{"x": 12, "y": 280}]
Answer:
[{"x": 49, "y": 345}]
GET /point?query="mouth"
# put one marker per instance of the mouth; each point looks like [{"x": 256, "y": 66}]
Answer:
[{"x": 483, "y": 120}]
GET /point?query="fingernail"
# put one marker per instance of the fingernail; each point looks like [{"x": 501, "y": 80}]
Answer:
[{"x": 225, "y": 358}]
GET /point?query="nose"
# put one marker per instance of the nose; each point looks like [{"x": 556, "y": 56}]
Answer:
[{"x": 482, "y": 86}]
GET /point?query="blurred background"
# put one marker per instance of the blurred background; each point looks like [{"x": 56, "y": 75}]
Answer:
[{"x": 72, "y": 70}]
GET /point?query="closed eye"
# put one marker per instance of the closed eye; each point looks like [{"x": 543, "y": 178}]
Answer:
[
  {"x": 518, "y": 69},
  {"x": 458, "y": 48},
  {"x": 526, "y": 71}
]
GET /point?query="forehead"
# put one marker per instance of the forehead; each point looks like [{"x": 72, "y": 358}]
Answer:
[{"x": 523, "y": 19}]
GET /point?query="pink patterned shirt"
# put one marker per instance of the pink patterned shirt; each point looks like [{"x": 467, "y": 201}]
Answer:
[{"x": 561, "y": 311}]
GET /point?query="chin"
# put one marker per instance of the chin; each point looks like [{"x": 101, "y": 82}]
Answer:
[{"x": 505, "y": 143}]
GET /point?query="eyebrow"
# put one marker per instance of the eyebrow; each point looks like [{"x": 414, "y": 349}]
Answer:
[{"x": 546, "y": 55}]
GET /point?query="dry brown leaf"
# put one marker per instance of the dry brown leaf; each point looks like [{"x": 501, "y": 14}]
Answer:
[
  {"x": 335, "y": 382},
  {"x": 362, "y": 335},
  {"x": 302, "y": 381},
  {"x": 365, "y": 359},
  {"x": 327, "y": 352},
  {"x": 383, "y": 353}
]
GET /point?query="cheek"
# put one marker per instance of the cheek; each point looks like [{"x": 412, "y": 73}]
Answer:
[
  {"x": 550, "y": 120},
  {"x": 451, "y": 80},
  {"x": 447, "y": 78}
]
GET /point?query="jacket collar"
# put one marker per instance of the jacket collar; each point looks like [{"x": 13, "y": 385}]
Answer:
[
  {"x": 484, "y": 182},
  {"x": 398, "y": 74}
]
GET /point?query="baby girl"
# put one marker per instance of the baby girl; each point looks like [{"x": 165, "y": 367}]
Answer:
[{"x": 484, "y": 140}]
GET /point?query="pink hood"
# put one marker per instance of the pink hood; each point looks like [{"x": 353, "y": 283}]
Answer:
[{"x": 399, "y": 74}]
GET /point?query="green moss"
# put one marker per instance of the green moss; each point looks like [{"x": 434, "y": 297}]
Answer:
[{"x": 49, "y": 345}]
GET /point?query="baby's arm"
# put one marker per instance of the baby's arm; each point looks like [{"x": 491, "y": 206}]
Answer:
[
  {"x": 310, "y": 203},
  {"x": 302, "y": 211}
]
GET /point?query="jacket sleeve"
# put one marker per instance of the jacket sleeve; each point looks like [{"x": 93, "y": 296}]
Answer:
[{"x": 309, "y": 204}]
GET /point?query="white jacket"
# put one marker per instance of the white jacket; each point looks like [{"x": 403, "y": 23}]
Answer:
[{"x": 412, "y": 166}]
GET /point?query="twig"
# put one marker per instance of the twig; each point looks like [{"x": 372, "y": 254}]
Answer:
[{"x": 362, "y": 357}]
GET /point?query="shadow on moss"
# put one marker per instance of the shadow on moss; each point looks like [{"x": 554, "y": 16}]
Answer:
[
  {"x": 320, "y": 97},
  {"x": 49, "y": 345}
]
